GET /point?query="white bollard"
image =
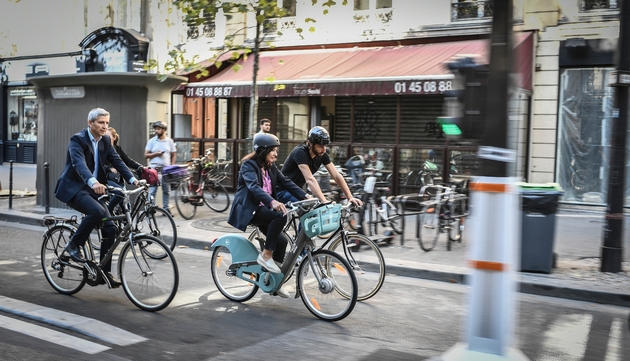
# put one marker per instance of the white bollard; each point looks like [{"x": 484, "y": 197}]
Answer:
[{"x": 494, "y": 226}]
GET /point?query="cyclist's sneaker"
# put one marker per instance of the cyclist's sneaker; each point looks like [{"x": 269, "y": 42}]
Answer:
[
  {"x": 282, "y": 293},
  {"x": 269, "y": 264}
]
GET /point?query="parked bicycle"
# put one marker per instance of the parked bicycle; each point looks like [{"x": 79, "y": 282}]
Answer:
[
  {"x": 325, "y": 281},
  {"x": 379, "y": 209},
  {"x": 146, "y": 266},
  {"x": 443, "y": 211},
  {"x": 146, "y": 217},
  {"x": 202, "y": 185},
  {"x": 362, "y": 253}
]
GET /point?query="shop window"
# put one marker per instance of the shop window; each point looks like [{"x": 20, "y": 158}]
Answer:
[
  {"x": 204, "y": 27},
  {"x": 22, "y": 109},
  {"x": 292, "y": 120},
  {"x": 583, "y": 143}
]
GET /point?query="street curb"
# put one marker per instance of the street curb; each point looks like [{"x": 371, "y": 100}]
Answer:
[{"x": 609, "y": 298}]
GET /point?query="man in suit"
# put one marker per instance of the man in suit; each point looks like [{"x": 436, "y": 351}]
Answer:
[{"x": 84, "y": 179}]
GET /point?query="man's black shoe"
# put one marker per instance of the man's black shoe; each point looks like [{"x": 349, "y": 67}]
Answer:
[
  {"x": 110, "y": 280},
  {"x": 74, "y": 252}
]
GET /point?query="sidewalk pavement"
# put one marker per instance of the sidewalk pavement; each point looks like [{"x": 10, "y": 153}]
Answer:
[{"x": 577, "y": 245}]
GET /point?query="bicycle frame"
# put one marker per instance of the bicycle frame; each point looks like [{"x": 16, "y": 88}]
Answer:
[{"x": 244, "y": 256}]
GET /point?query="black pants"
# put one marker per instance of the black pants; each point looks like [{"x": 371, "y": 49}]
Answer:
[
  {"x": 270, "y": 224},
  {"x": 86, "y": 202}
]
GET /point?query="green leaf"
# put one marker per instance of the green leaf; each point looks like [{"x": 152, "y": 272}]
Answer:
[
  {"x": 311, "y": 29},
  {"x": 325, "y": 11},
  {"x": 310, "y": 20},
  {"x": 236, "y": 67},
  {"x": 270, "y": 78}
]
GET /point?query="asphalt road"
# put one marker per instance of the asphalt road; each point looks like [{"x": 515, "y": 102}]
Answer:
[{"x": 409, "y": 319}]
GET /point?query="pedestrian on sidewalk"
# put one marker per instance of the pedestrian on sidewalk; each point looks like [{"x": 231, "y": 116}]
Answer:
[
  {"x": 114, "y": 178},
  {"x": 83, "y": 181},
  {"x": 160, "y": 151}
]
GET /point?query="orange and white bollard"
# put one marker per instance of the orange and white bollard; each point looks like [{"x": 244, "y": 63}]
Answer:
[{"x": 494, "y": 226}]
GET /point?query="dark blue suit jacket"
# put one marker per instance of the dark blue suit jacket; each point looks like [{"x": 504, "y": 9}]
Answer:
[
  {"x": 80, "y": 164},
  {"x": 249, "y": 192}
]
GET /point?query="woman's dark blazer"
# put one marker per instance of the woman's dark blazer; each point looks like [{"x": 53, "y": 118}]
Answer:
[{"x": 249, "y": 192}]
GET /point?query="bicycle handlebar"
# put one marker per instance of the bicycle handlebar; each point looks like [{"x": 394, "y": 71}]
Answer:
[{"x": 142, "y": 185}]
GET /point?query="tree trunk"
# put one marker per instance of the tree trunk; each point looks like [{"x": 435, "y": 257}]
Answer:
[{"x": 253, "y": 105}]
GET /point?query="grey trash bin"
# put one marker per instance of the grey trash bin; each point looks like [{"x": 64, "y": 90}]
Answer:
[{"x": 539, "y": 203}]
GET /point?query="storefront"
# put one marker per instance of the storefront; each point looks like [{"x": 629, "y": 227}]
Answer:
[
  {"x": 22, "y": 109},
  {"x": 379, "y": 103},
  {"x": 585, "y": 109}
]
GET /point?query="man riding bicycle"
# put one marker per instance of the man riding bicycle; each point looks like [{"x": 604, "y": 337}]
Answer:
[{"x": 306, "y": 159}]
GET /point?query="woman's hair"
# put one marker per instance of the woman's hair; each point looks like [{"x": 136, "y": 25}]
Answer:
[
  {"x": 261, "y": 156},
  {"x": 114, "y": 135}
]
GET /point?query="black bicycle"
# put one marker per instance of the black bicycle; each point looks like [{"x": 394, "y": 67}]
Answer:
[{"x": 146, "y": 266}]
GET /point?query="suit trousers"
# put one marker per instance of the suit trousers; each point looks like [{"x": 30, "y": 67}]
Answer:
[{"x": 86, "y": 202}]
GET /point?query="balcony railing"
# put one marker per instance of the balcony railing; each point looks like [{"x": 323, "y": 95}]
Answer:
[
  {"x": 207, "y": 29},
  {"x": 593, "y": 5},
  {"x": 383, "y": 16},
  {"x": 279, "y": 24},
  {"x": 470, "y": 10}
]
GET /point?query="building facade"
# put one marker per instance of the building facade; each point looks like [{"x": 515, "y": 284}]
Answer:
[{"x": 373, "y": 73}]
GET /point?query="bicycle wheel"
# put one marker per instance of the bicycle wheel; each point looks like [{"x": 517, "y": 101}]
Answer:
[
  {"x": 455, "y": 228},
  {"x": 64, "y": 275},
  {"x": 95, "y": 239},
  {"x": 232, "y": 287},
  {"x": 150, "y": 283},
  {"x": 186, "y": 199},
  {"x": 329, "y": 287},
  {"x": 216, "y": 196},
  {"x": 159, "y": 223},
  {"x": 395, "y": 219},
  {"x": 372, "y": 218},
  {"x": 366, "y": 260},
  {"x": 429, "y": 228}
]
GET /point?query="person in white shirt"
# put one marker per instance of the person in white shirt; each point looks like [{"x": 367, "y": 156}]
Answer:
[{"x": 160, "y": 151}]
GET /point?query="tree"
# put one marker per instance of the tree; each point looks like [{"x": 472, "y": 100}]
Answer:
[{"x": 196, "y": 11}]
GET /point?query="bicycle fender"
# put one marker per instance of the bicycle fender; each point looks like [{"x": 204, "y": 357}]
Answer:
[{"x": 241, "y": 249}]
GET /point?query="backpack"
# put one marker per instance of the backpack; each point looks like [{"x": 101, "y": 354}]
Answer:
[{"x": 150, "y": 175}]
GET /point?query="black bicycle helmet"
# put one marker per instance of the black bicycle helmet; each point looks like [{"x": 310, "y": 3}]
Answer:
[
  {"x": 265, "y": 140},
  {"x": 319, "y": 135}
]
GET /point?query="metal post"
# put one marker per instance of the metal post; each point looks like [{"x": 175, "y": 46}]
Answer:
[
  {"x": 612, "y": 248},
  {"x": 47, "y": 187},
  {"x": 11, "y": 184}
]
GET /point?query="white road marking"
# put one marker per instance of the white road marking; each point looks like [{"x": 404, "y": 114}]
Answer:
[
  {"x": 2, "y": 263},
  {"x": 52, "y": 336},
  {"x": 84, "y": 325},
  {"x": 567, "y": 336},
  {"x": 613, "y": 349}
]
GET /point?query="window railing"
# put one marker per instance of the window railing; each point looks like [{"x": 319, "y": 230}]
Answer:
[
  {"x": 593, "y": 5},
  {"x": 468, "y": 10},
  {"x": 383, "y": 16},
  {"x": 279, "y": 24},
  {"x": 207, "y": 29}
]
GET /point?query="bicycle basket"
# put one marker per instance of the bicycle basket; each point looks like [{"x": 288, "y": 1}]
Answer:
[
  {"x": 322, "y": 220},
  {"x": 174, "y": 173}
]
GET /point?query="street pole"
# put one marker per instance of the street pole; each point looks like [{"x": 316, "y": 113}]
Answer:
[
  {"x": 494, "y": 221},
  {"x": 612, "y": 249}
]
